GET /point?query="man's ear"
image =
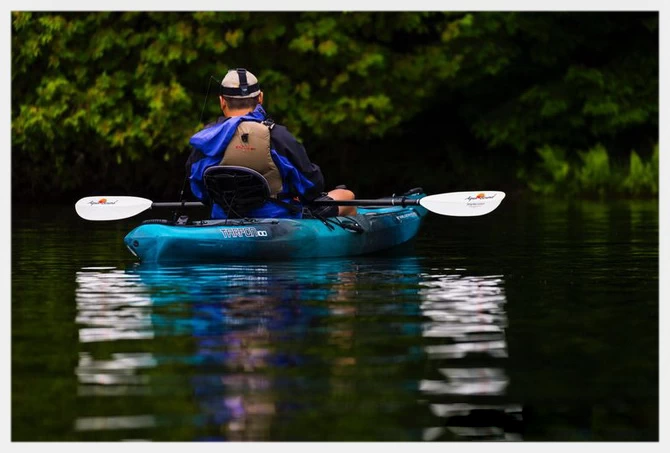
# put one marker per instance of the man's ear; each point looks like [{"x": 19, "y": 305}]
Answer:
[
  {"x": 260, "y": 98},
  {"x": 222, "y": 102}
]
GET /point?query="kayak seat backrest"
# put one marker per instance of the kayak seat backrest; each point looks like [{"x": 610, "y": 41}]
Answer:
[{"x": 236, "y": 189}]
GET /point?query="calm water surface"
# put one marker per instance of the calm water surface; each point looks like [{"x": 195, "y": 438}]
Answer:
[{"x": 533, "y": 323}]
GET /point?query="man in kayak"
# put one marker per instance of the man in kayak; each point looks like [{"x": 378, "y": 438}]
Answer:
[{"x": 246, "y": 137}]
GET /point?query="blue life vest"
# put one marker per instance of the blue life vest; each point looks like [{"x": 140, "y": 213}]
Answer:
[{"x": 214, "y": 140}]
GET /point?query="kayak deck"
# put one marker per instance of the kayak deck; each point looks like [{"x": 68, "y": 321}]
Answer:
[{"x": 369, "y": 231}]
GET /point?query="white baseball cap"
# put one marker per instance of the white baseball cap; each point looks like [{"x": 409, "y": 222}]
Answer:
[{"x": 240, "y": 83}]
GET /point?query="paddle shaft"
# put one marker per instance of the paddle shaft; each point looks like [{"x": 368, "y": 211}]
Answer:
[
  {"x": 178, "y": 204},
  {"x": 398, "y": 201}
]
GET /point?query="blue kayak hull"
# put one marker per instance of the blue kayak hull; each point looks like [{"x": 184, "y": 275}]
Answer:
[{"x": 371, "y": 230}]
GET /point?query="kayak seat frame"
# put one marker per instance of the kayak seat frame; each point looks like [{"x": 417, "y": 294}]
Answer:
[{"x": 236, "y": 189}]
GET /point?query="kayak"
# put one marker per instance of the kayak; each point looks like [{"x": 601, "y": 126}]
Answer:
[{"x": 371, "y": 230}]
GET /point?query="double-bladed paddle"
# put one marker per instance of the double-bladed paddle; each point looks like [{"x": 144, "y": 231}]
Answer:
[{"x": 459, "y": 204}]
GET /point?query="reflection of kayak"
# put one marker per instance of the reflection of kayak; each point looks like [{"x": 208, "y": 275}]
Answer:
[{"x": 369, "y": 231}]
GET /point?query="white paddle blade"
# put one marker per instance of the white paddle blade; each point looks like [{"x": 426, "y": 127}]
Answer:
[
  {"x": 111, "y": 207},
  {"x": 463, "y": 204}
]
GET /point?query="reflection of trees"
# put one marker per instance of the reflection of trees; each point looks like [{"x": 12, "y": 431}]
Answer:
[{"x": 466, "y": 343}]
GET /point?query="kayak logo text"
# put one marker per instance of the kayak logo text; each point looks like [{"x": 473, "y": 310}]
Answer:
[
  {"x": 102, "y": 201},
  {"x": 480, "y": 196},
  {"x": 407, "y": 215},
  {"x": 243, "y": 232}
]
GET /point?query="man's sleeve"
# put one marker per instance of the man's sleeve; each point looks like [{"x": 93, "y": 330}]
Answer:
[
  {"x": 197, "y": 186},
  {"x": 286, "y": 145}
]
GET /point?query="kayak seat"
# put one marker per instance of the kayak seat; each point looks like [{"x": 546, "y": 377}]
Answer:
[{"x": 236, "y": 189}]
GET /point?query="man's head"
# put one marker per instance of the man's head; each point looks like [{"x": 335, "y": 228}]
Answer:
[{"x": 239, "y": 92}]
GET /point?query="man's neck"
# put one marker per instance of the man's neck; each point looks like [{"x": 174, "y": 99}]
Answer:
[{"x": 240, "y": 112}]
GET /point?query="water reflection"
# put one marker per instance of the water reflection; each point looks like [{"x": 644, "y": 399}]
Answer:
[
  {"x": 466, "y": 341},
  {"x": 293, "y": 352},
  {"x": 112, "y": 306}
]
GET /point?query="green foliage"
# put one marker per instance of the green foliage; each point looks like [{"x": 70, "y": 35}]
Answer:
[
  {"x": 594, "y": 175},
  {"x": 97, "y": 92},
  {"x": 557, "y": 174},
  {"x": 564, "y": 97},
  {"x": 642, "y": 177},
  {"x": 553, "y": 172}
]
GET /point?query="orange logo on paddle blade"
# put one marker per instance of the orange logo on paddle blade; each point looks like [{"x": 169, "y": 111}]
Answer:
[
  {"x": 480, "y": 196},
  {"x": 102, "y": 201}
]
